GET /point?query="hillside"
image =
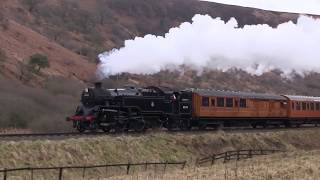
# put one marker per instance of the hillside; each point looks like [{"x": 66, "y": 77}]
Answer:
[{"x": 71, "y": 33}]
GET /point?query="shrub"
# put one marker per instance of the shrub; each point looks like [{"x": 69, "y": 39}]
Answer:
[
  {"x": 25, "y": 71},
  {"x": 3, "y": 56},
  {"x": 36, "y": 108},
  {"x": 38, "y": 61},
  {"x": 16, "y": 120},
  {"x": 4, "y": 22}
]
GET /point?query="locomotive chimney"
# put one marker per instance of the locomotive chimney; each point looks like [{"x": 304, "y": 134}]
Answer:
[{"x": 98, "y": 85}]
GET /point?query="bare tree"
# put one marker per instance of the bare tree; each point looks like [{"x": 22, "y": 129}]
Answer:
[
  {"x": 4, "y": 22},
  {"x": 104, "y": 13}
]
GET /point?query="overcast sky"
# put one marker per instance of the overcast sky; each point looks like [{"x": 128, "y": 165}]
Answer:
[{"x": 297, "y": 6}]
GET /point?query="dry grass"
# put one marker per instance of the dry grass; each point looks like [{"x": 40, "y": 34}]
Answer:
[
  {"x": 295, "y": 165},
  {"x": 150, "y": 147}
]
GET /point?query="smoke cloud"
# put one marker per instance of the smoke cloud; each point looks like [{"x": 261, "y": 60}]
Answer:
[
  {"x": 294, "y": 6},
  {"x": 213, "y": 44}
]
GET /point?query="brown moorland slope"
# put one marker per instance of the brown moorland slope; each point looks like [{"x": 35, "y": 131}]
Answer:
[
  {"x": 72, "y": 32},
  {"x": 19, "y": 43},
  {"x": 87, "y": 27}
]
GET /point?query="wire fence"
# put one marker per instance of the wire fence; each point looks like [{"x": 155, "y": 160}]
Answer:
[
  {"x": 126, "y": 167},
  {"x": 234, "y": 155},
  {"x": 130, "y": 168}
]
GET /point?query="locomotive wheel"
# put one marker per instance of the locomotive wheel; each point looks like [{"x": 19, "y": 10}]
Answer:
[
  {"x": 81, "y": 128},
  {"x": 106, "y": 128},
  {"x": 202, "y": 126},
  {"x": 171, "y": 126},
  {"x": 138, "y": 125},
  {"x": 184, "y": 125},
  {"x": 120, "y": 128}
]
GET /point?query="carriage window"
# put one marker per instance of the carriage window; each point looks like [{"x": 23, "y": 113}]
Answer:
[
  {"x": 304, "y": 106},
  {"x": 213, "y": 102},
  {"x": 317, "y": 106},
  {"x": 229, "y": 102},
  {"x": 243, "y": 103},
  {"x": 312, "y": 106},
  {"x": 236, "y": 103},
  {"x": 205, "y": 101},
  {"x": 283, "y": 104},
  {"x": 308, "y": 106},
  {"x": 298, "y": 106},
  {"x": 292, "y": 105},
  {"x": 220, "y": 102}
]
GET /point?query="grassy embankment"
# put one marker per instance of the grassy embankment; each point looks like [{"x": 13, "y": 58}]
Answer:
[
  {"x": 295, "y": 165},
  {"x": 150, "y": 147}
]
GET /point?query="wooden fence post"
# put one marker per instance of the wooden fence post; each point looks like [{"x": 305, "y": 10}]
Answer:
[
  {"x": 238, "y": 155},
  {"x": 213, "y": 159},
  {"x": 5, "y": 174},
  {"x": 184, "y": 164},
  {"x": 31, "y": 173},
  {"x": 83, "y": 172},
  {"x": 225, "y": 157},
  {"x": 60, "y": 173},
  {"x": 128, "y": 167},
  {"x": 146, "y": 166},
  {"x": 197, "y": 164},
  {"x": 165, "y": 167}
]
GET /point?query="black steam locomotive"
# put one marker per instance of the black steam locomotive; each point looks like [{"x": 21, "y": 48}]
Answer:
[{"x": 132, "y": 109}]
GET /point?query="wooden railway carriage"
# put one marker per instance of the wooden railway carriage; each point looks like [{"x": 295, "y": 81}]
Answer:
[
  {"x": 212, "y": 107},
  {"x": 303, "y": 109}
]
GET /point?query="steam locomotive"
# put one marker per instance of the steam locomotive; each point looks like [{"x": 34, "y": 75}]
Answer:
[
  {"x": 138, "y": 109},
  {"x": 132, "y": 109}
]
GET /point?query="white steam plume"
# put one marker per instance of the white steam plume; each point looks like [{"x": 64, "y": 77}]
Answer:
[
  {"x": 214, "y": 44},
  {"x": 294, "y": 6}
]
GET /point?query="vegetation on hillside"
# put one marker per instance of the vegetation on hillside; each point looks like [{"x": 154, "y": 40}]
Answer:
[
  {"x": 41, "y": 110},
  {"x": 234, "y": 80},
  {"x": 38, "y": 62},
  {"x": 90, "y": 27}
]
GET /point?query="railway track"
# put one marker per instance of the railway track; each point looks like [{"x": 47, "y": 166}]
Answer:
[{"x": 69, "y": 135}]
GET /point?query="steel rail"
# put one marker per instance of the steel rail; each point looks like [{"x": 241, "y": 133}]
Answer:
[{"x": 67, "y": 135}]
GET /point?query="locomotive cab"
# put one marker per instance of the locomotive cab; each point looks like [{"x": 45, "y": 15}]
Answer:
[{"x": 95, "y": 96}]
